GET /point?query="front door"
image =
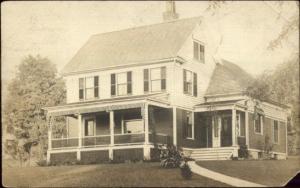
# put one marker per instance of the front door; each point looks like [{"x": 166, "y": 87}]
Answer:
[{"x": 226, "y": 132}]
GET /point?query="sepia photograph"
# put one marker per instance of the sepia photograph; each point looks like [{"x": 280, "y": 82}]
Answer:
[{"x": 150, "y": 93}]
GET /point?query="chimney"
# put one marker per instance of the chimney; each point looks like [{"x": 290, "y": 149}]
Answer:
[{"x": 170, "y": 13}]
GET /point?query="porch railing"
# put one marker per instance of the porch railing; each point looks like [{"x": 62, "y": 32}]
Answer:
[
  {"x": 129, "y": 138},
  {"x": 160, "y": 138},
  {"x": 98, "y": 140},
  {"x": 64, "y": 142}
]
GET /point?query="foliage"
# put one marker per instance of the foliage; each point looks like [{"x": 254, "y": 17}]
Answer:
[{"x": 35, "y": 86}]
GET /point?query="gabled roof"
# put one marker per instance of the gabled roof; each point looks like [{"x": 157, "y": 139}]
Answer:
[
  {"x": 134, "y": 45},
  {"x": 228, "y": 78}
]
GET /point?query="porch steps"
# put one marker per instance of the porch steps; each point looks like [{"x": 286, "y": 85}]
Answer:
[{"x": 202, "y": 154}]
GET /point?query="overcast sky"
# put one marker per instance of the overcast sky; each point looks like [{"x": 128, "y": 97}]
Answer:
[{"x": 58, "y": 29}]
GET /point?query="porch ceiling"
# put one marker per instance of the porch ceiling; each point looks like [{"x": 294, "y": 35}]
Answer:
[{"x": 108, "y": 104}]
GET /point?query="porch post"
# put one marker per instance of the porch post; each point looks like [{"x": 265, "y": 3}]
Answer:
[
  {"x": 111, "y": 127},
  {"x": 174, "y": 127},
  {"x": 234, "y": 126},
  {"x": 79, "y": 136},
  {"x": 147, "y": 155},
  {"x": 247, "y": 127},
  {"x": 146, "y": 121},
  {"x": 49, "y": 137}
]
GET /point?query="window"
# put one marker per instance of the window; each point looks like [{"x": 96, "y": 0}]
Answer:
[
  {"x": 89, "y": 87},
  {"x": 89, "y": 127},
  {"x": 190, "y": 83},
  {"x": 133, "y": 126},
  {"x": 239, "y": 126},
  {"x": 121, "y": 83},
  {"x": 275, "y": 131},
  {"x": 199, "y": 52},
  {"x": 258, "y": 123},
  {"x": 189, "y": 125},
  {"x": 155, "y": 79}
]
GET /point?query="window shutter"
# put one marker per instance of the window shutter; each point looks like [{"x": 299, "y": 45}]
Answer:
[
  {"x": 163, "y": 78},
  {"x": 195, "y": 89},
  {"x": 81, "y": 88},
  {"x": 96, "y": 86},
  {"x": 129, "y": 83},
  {"x": 202, "y": 53},
  {"x": 185, "y": 87},
  {"x": 146, "y": 80},
  {"x": 113, "y": 84},
  {"x": 196, "y": 50}
]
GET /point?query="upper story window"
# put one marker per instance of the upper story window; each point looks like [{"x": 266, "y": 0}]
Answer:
[
  {"x": 89, "y": 87},
  {"x": 258, "y": 124},
  {"x": 155, "y": 79},
  {"x": 121, "y": 84},
  {"x": 190, "y": 83},
  {"x": 199, "y": 52},
  {"x": 275, "y": 131}
]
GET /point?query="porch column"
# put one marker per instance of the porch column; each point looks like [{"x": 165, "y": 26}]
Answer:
[
  {"x": 49, "y": 138},
  {"x": 79, "y": 136},
  {"x": 146, "y": 121},
  {"x": 174, "y": 127},
  {"x": 111, "y": 127},
  {"x": 247, "y": 127},
  {"x": 234, "y": 127}
]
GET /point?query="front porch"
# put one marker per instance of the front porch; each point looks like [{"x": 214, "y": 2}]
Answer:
[{"x": 127, "y": 126}]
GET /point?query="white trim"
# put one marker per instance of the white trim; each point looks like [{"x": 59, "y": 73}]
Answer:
[
  {"x": 233, "y": 127},
  {"x": 111, "y": 127},
  {"x": 174, "y": 126},
  {"x": 79, "y": 121},
  {"x": 286, "y": 138},
  {"x": 146, "y": 124},
  {"x": 158, "y": 61},
  {"x": 247, "y": 133}
]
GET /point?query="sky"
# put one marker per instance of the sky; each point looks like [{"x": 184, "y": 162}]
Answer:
[{"x": 58, "y": 29}]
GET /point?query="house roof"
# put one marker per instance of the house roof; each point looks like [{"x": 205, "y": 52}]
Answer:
[
  {"x": 134, "y": 45},
  {"x": 228, "y": 78}
]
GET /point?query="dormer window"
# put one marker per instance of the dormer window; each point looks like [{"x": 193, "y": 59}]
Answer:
[{"x": 199, "y": 52}]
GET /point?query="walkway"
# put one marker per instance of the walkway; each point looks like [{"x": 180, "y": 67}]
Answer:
[{"x": 221, "y": 177}]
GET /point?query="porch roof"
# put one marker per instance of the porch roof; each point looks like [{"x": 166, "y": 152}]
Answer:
[
  {"x": 160, "y": 99},
  {"x": 219, "y": 105}
]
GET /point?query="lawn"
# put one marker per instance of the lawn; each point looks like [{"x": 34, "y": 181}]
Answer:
[
  {"x": 266, "y": 172},
  {"x": 104, "y": 175}
]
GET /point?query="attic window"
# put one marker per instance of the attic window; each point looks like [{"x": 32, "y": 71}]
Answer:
[{"x": 199, "y": 52}]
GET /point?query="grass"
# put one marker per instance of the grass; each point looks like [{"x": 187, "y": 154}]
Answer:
[
  {"x": 104, "y": 175},
  {"x": 266, "y": 172}
]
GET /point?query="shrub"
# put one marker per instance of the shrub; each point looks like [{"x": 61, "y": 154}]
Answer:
[
  {"x": 170, "y": 157},
  {"x": 42, "y": 163}
]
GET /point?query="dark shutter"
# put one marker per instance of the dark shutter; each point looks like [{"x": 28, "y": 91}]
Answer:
[
  {"x": 81, "y": 88},
  {"x": 113, "y": 84},
  {"x": 129, "y": 83},
  {"x": 146, "y": 80},
  {"x": 96, "y": 86},
  {"x": 185, "y": 87},
  {"x": 163, "y": 78},
  {"x": 195, "y": 88},
  {"x": 202, "y": 53},
  {"x": 196, "y": 50}
]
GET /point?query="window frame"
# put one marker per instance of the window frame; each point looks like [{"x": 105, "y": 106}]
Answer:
[
  {"x": 117, "y": 84},
  {"x": 261, "y": 124},
  {"x": 200, "y": 58},
  {"x": 149, "y": 79},
  {"x": 192, "y": 126},
  {"x": 193, "y": 87},
  {"x": 278, "y": 129},
  {"x": 84, "y": 88}
]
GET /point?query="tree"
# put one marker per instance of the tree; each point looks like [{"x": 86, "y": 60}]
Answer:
[{"x": 35, "y": 85}]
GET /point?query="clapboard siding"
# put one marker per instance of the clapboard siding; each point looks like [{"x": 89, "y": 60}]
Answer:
[{"x": 256, "y": 141}]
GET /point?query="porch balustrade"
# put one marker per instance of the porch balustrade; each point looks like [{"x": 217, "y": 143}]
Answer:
[
  {"x": 96, "y": 140},
  {"x": 129, "y": 138},
  {"x": 160, "y": 138},
  {"x": 64, "y": 142}
]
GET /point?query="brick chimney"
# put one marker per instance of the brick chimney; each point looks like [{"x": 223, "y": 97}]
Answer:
[{"x": 170, "y": 13}]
